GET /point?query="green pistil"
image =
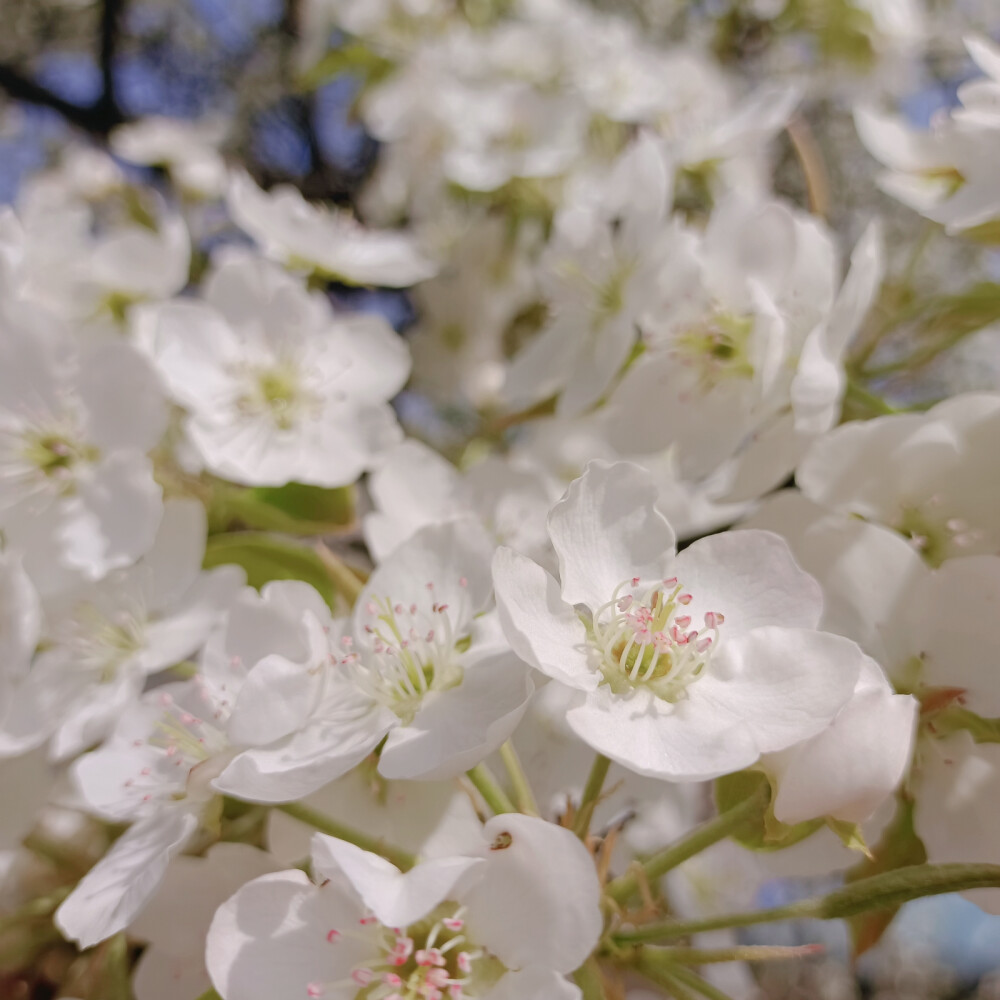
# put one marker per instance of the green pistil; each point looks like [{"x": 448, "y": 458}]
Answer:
[
  {"x": 55, "y": 454},
  {"x": 720, "y": 346}
]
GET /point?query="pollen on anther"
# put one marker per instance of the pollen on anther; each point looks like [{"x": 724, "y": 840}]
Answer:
[{"x": 332, "y": 935}]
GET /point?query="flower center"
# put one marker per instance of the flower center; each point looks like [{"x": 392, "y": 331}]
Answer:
[
  {"x": 276, "y": 391},
  {"x": 429, "y": 960},
  {"x": 935, "y": 537},
  {"x": 717, "y": 348},
  {"x": 412, "y": 650},
  {"x": 103, "y": 643},
  {"x": 56, "y": 453},
  {"x": 644, "y": 639}
]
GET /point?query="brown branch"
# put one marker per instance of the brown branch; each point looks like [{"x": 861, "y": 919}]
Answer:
[{"x": 97, "y": 119}]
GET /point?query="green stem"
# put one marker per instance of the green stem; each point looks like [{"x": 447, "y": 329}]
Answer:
[
  {"x": 859, "y": 401},
  {"x": 489, "y": 788},
  {"x": 345, "y": 580},
  {"x": 741, "y": 953},
  {"x": 326, "y": 824},
  {"x": 879, "y": 892},
  {"x": 671, "y": 930},
  {"x": 523, "y": 795},
  {"x": 694, "y": 982},
  {"x": 588, "y": 978},
  {"x": 591, "y": 794},
  {"x": 622, "y": 888},
  {"x": 655, "y": 973}
]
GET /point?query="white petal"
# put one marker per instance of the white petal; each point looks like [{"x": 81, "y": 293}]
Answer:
[
  {"x": 538, "y": 901},
  {"x": 688, "y": 741},
  {"x": 269, "y": 940},
  {"x": 430, "y": 568},
  {"x": 274, "y": 701},
  {"x": 111, "y": 894},
  {"x": 457, "y": 729},
  {"x": 752, "y": 578},
  {"x": 849, "y": 769},
  {"x": 534, "y": 983},
  {"x": 955, "y": 630},
  {"x": 783, "y": 684},
  {"x": 303, "y": 763},
  {"x": 957, "y": 787},
  {"x": 540, "y": 627},
  {"x": 606, "y": 530},
  {"x": 396, "y": 898}
]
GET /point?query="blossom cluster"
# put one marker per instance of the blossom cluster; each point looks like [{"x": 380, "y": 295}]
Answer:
[{"x": 342, "y": 664}]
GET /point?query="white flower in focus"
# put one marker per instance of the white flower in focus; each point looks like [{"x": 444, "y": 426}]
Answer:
[
  {"x": 506, "y": 921},
  {"x": 303, "y": 236},
  {"x": 101, "y": 645},
  {"x": 686, "y": 666},
  {"x": 418, "y": 666},
  {"x": 77, "y": 494},
  {"x": 277, "y": 388}
]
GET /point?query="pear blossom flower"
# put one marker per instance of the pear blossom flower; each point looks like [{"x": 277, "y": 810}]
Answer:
[
  {"x": 946, "y": 173},
  {"x": 303, "y": 236},
  {"x": 154, "y": 772},
  {"x": 743, "y": 362},
  {"x": 506, "y": 919},
  {"x": 935, "y": 632},
  {"x": 927, "y": 476},
  {"x": 685, "y": 666},
  {"x": 276, "y": 388},
  {"x": 599, "y": 279},
  {"x": 77, "y": 494},
  {"x": 101, "y": 645},
  {"x": 416, "y": 666}
]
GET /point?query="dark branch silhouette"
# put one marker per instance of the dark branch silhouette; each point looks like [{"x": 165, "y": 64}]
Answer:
[{"x": 98, "y": 118}]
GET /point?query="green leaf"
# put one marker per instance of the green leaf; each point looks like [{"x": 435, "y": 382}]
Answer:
[
  {"x": 899, "y": 847},
  {"x": 770, "y": 834},
  {"x": 293, "y": 509},
  {"x": 266, "y": 558},
  {"x": 209, "y": 995}
]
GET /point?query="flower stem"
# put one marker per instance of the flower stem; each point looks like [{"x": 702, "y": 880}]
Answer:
[
  {"x": 523, "y": 795},
  {"x": 489, "y": 788},
  {"x": 588, "y": 978},
  {"x": 345, "y": 580},
  {"x": 403, "y": 860},
  {"x": 622, "y": 888},
  {"x": 879, "y": 892},
  {"x": 591, "y": 793},
  {"x": 655, "y": 973},
  {"x": 740, "y": 953},
  {"x": 670, "y": 930},
  {"x": 679, "y": 975}
]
